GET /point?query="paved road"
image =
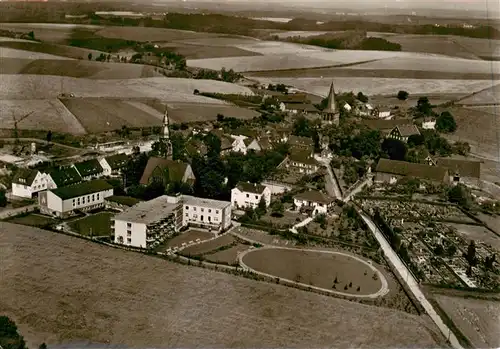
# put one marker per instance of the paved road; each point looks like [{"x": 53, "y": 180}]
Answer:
[
  {"x": 331, "y": 183},
  {"x": 15, "y": 211},
  {"x": 356, "y": 190},
  {"x": 301, "y": 224},
  {"x": 412, "y": 284}
]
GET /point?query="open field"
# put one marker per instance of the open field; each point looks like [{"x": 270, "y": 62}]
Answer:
[
  {"x": 6, "y": 52},
  {"x": 101, "y": 114},
  {"x": 478, "y": 128},
  {"x": 49, "y": 114},
  {"x": 477, "y": 319},
  {"x": 477, "y": 233},
  {"x": 168, "y": 304},
  {"x": 229, "y": 256},
  {"x": 380, "y": 86},
  {"x": 151, "y": 34},
  {"x": 33, "y": 219},
  {"x": 52, "y": 49},
  {"x": 166, "y": 89},
  {"x": 208, "y": 246},
  {"x": 98, "y": 224},
  {"x": 489, "y": 95},
  {"x": 200, "y": 52},
  {"x": 316, "y": 268},
  {"x": 191, "y": 112},
  {"x": 190, "y": 235},
  {"x": 50, "y": 32}
]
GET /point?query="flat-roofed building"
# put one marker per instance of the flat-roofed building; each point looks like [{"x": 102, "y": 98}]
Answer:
[
  {"x": 206, "y": 213},
  {"x": 148, "y": 223}
]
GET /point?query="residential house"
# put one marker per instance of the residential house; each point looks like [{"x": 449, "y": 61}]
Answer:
[
  {"x": 264, "y": 143},
  {"x": 301, "y": 143},
  {"x": 113, "y": 165},
  {"x": 462, "y": 171},
  {"x": 167, "y": 171},
  {"x": 385, "y": 126},
  {"x": 252, "y": 144},
  {"x": 63, "y": 176},
  {"x": 27, "y": 182},
  {"x": 403, "y": 132},
  {"x": 238, "y": 145},
  {"x": 302, "y": 162},
  {"x": 89, "y": 169},
  {"x": 249, "y": 195},
  {"x": 302, "y": 108},
  {"x": 294, "y": 98},
  {"x": 62, "y": 202},
  {"x": 316, "y": 201},
  {"x": 390, "y": 171},
  {"x": 429, "y": 124},
  {"x": 382, "y": 113}
]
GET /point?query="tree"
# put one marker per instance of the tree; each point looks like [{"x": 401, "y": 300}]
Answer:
[
  {"x": 49, "y": 136},
  {"x": 89, "y": 56},
  {"x": 461, "y": 148},
  {"x": 446, "y": 123},
  {"x": 416, "y": 140},
  {"x": 31, "y": 35},
  {"x": 160, "y": 148},
  {"x": 424, "y": 106},
  {"x": 362, "y": 98},
  {"x": 3, "y": 198},
  {"x": 9, "y": 337},
  {"x": 403, "y": 95},
  {"x": 196, "y": 91},
  {"x": 302, "y": 127},
  {"x": 451, "y": 250},
  {"x": 394, "y": 148},
  {"x": 460, "y": 195},
  {"x": 42, "y": 346}
]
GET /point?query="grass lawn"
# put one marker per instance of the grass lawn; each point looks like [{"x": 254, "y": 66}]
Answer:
[
  {"x": 33, "y": 219},
  {"x": 99, "y": 224},
  {"x": 190, "y": 235}
]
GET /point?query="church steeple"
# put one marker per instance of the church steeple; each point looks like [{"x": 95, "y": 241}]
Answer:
[
  {"x": 165, "y": 138},
  {"x": 330, "y": 113}
]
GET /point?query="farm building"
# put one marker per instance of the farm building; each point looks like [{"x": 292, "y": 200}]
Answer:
[
  {"x": 28, "y": 182},
  {"x": 62, "y": 202},
  {"x": 249, "y": 195},
  {"x": 462, "y": 171},
  {"x": 89, "y": 169},
  {"x": 157, "y": 169},
  {"x": 112, "y": 165},
  {"x": 403, "y": 132},
  {"x": 313, "y": 200},
  {"x": 301, "y": 108},
  {"x": 149, "y": 222},
  {"x": 390, "y": 171}
]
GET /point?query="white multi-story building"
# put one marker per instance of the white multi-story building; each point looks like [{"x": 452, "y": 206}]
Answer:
[
  {"x": 27, "y": 182},
  {"x": 62, "y": 202},
  {"x": 112, "y": 165},
  {"x": 148, "y": 223},
  {"x": 206, "y": 213},
  {"x": 249, "y": 195},
  {"x": 318, "y": 202}
]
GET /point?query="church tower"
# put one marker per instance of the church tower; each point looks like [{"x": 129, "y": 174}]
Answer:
[
  {"x": 330, "y": 113},
  {"x": 165, "y": 138}
]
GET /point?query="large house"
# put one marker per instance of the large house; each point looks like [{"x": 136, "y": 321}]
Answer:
[
  {"x": 462, "y": 171},
  {"x": 86, "y": 196},
  {"x": 313, "y": 200},
  {"x": 28, "y": 182},
  {"x": 390, "y": 171},
  {"x": 302, "y": 108},
  {"x": 302, "y": 162},
  {"x": 89, "y": 169},
  {"x": 167, "y": 171},
  {"x": 112, "y": 165},
  {"x": 148, "y": 223},
  {"x": 301, "y": 143},
  {"x": 385, "y": 126},
  {"x": 403, "y": 132},
  {"x": 249, "y": 195},
  {"x": 61, "y": 177}
]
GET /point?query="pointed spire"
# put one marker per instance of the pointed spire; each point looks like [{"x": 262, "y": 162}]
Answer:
[
  {"x": 331, "y": 107},
  {"x": 166, "y": 136}
]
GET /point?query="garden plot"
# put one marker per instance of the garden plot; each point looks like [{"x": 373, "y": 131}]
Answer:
[
  {"x": 477, "y": 233},
  {"x": 166, "y": 89},
  {"x": 100, "y": 286},
  {"x": 380, "y": 86},
  {"x": 477, "y": 319},
  {"x": 260, "y": 63},
  {"x": 6, "y": 52},
  {"x": 438, "y": 64},
  {"x": 101, "y": 114},
  {"x": 49, "y": 114},
  {"x": 317, "y": 268},
  {"x": 228, "y": 256},
  {"x": 151, "y": 34}
]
